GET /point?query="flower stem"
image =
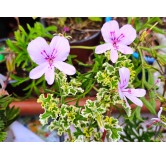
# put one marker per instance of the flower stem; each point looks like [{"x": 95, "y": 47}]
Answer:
[
  {"x": 104, "y": 135},
  {"x": 84, "y": 47},
  {"x": 69, "y": 133},
  {"x": 6, "y": 81},
  {"x": 95, "y": 89},
  {"x": 71, "y": 100},
  {"x": 160, "y": 67},
  {"x": 105, "y": 132}
]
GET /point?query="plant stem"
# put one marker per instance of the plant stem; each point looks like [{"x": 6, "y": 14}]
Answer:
[
  {"x": 71, "y": 100},
  {"x": 104, "y": 135},
  {"x": 6, "y": 81},
  {"x": 95, "y": 89},
  {"x": 69, "y": 133},
  {"x": 84, "y": 47},
  {"x": 160, "y": 66},
  {"x": 142, "y": 62},
  {"x": 164, "y": 88},
  {"x": 157, "y": 131},
  {"x": 88, "y": 30},
  {"x": 105, "y": 132}
]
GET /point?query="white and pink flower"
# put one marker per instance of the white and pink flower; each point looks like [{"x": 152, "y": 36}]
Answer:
[
  {"x": 129, "y": 93},
  {"x": 158, "y": 119},
  {"x": 49, "y": 57},
  {"x": 116, "y": 39}
]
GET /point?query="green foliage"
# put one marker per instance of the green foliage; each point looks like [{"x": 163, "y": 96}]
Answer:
[
  {"x": 97, "y": 19},
  {"x": 50, "y": 105},
  {"x": 7, "y": 115},
  {"x": 68, "y": 88},
  {"x": 63, "y": 117},
  {"x": 162, "y": 59},
  {"x": 112, "y": 128},
  {"x": 135, "y": 132},
  {"x": 140, "y": 23}
]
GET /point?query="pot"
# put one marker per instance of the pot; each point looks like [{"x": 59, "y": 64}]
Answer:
[
  {"x": 31, "y": 107},
  {"x": 83, "y": 55}
]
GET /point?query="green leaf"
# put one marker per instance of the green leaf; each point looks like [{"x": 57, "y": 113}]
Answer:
[
  {"x": 5, "y": 101},
  {"x": 3, "y": 136},
  {"x": 162, "y": 58},
  {"x": 43, "y": 118},
  {"x": 153, "y": 20},
  {"x": 148, "y": 105},
  {"x": 150, "y": 77},
  {"x": 115, "y": 136},
  {"x": 156, "y": 29},
  {"x": 97, "y": 19},
  {"x": 147, "y": 85},
  {"x": 11, "y": 114},
  {"x": 78, "y": 132},
  {"x": 51, "y": 28},
  {"x": 136, "y": 113}
]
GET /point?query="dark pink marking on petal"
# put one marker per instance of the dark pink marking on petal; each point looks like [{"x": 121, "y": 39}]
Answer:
[
  {"x": 120, "y": 37},
  {"x": 44, "y": 53},
  {"x": 113, "y": 37},
  {"x": 53, "y": 54}
]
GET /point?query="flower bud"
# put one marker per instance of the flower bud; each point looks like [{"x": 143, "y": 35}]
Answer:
[
  {"x": 10, "y": 62},
  {"x": 144, "y": 35},
  {"x": 2, "y": 90},
  {"x": 158, "y": 82}
]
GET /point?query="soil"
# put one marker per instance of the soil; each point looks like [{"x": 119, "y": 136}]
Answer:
[
  {"x": 7, "y": 27},
  {"x": 77, "y": 28}
]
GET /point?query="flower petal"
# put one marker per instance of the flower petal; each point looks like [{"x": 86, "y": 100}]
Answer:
[
  {"x": 38, "y": 71},
  {"x": 61, "y": 47},
  {"x": 103, "y": 48},
  {"x": 129, "y": 34},
  {"x": 160, "y": 111},
  {"x": 35, "y": 47},
  {"x": 65, "y": 68},
  {"x": 133, "y": 99},
  {"x": 124, "y": 77},
  {"x": 113, "y": 55},
  {"x": 2, "y": 83},
  {"x": 119, "y": 91},
  {"x": 125, "y": 49},
  {"x": 50, "y": 75},
  {"x": 127, "y": 104},
  {"x": 111, "y": 26},
  {"x": 155, "y": 119},
  {"x": 135, "y": 92}
]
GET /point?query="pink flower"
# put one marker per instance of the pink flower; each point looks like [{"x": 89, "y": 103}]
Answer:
[
  {"x": 49, "y": 57},
  {"x": 158, "y": 82},
  {"x": 116, "y": 39},
  {"x": 155, "y": 120},
  {"x": 129, "y": 93}
]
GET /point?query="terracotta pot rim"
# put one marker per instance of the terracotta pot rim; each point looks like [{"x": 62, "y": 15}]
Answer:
[
  {"x": 31, "y": 107},
  {"x": 88, "y": 39}
]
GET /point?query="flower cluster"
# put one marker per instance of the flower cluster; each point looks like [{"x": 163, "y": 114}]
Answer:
[{"x": 91, "y": 121}]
